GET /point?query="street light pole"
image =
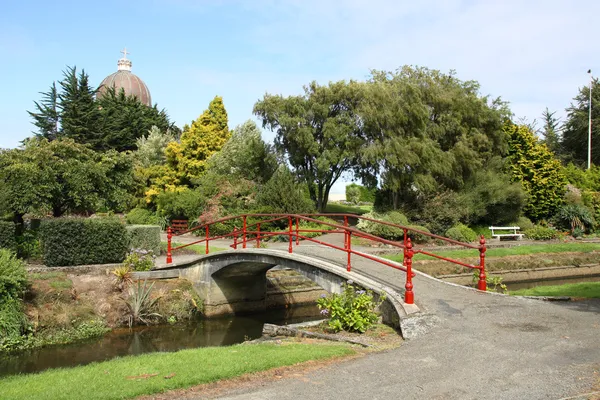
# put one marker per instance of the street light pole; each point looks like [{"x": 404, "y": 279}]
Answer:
[{"x": 590, "y": 124}]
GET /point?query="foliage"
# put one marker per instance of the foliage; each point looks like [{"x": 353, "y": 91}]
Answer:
[
  {"x": 574, "y": 216},
  {"x": 139, "y": 260},
  {"x": 183, "y": 204},
  {"x": 141, "y": 216},
  {"x": 417, "y": 237},
  {"x": 353, "y": 310},
  {"x": 540, "y": 232},
  {"x": 77, "y": 241},
  {"x": 443, "y": 211},
  {"x": 13, "y": 322},
  {"x": 494, "y": 283},
  {"x": 111, "y": 121},
  {"x": 584, "y": 179},
  {"x": 282, "y": 194},
  {"x": 13, "y": 277},
  {"x": 319, "y": 132},
  {"x": 532, "y": 164},
  {"x": 574, "y": 143},
  {"x": 381, "y": 230},
  {"x": 551, "y": 131},
  {"x": 151, "y": 148},
  {"x": 7, "y": 235},
  {"x": 28, "y": 245},
  {"x": 225, "y": 362},
  {"x": 462, "y": 233},
  {"x": 352, "y": 194},
  {"x": 428, "y": 132},
  {"x": 144, "y": 237},
  {"x": 64, "y": 177},
  {"x": 245, "y": 155},
  {"x": 141, "y": 305},
  {"x": 122, "y": 276},
  {"x": 206, "y": 136},
  {"x": 523, "y": 223}
]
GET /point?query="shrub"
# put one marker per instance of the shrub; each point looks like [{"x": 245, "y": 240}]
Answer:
[
  {"x": 574, "y": 216},
  {"x": 141, "y": 305},
  {"x": 13, "y": 321},
  {"x": 539, "y": 232},
  {"x": 145, "y": 237},
  {"x": 283, "y": 194},
  {"x": 353, "y": 310},
  {"x": 186, "y": 204},
  {"x": 462, "y": 233},
  {"x": 418, "y": 237},
  {"x": 141, "y": 216},
  {"x": 13, "y": 277},
  {"x": 443, "y": 211},
  {"x": 523, "y": 223},
  {"x": 28, "y": 245},
  {"x": 139, "y": 260},
  {"x": 78, "y": 241},
  {"x": 384, "y": 231},
  {"x": 7, "y": 235}
]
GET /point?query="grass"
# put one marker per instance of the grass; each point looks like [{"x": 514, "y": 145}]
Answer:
[
  {"x": 509, "y": 251},
  {"x": 333, "y": 208},
  {"x": 584, "y": 289},
  {"x": 128, "y": 377}
]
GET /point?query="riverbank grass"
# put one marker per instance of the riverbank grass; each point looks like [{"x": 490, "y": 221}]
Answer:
[
  {"x": 583, "y": 289},
  {"x": 508, "y": 251},
  {"x": 128, "y": 377}
]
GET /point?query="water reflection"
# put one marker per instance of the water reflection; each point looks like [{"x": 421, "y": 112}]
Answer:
[{"x": 123, "y": 342}]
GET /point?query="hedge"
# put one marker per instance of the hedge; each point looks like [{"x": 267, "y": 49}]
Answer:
[
  {"x": 462, "y": 233},
  {"x": 146, "y": 237},
  {"x": 81, "y": 241},
  {"x": 7, "y": 236}
]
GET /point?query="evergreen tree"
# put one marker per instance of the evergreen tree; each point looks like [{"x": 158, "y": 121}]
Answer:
[
  {"x": 551, "y": 131},
  {"x": 46, "y": 119},
  {"x": 534, "y": 165},
  {"x": 151, "y": 149},
  {"x": 206, "y": 136}
]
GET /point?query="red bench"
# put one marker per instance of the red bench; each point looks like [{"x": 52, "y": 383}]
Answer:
[{"x": 179, "y": 225}]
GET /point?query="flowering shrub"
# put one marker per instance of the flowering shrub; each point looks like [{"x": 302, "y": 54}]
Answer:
[
  {"x": 353, "y": 310},
  {"x": 139, "y": 260}
]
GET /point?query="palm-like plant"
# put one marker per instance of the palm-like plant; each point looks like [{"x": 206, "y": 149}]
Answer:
[{"x": 141, "y": 304}]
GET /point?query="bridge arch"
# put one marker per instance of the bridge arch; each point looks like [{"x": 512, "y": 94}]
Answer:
[{"x": 234, "y": 281}]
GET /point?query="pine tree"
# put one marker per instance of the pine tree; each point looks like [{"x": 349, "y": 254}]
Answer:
[
  {"x": 551, "y": 131},
  {"x": 47, "y": 117}
]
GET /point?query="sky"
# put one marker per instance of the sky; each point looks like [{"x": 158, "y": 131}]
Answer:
[{"x": 533, "y": 54}]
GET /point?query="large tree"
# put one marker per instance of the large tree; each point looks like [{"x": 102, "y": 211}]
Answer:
[
  {"x": 61, "y": 177},
  {"x": 531, "y": 163},
  {"x": 319, "y": 132},
  {"x": 574, "y": 144},
  {"x": 428, "y": 132},
  {"x": 551, "y": 130}
]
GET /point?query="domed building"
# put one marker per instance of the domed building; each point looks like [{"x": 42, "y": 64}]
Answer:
[{"x": 126, "y": 80}]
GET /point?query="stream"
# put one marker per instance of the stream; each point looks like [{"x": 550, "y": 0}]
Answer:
[{"x": 149, "y": 339}]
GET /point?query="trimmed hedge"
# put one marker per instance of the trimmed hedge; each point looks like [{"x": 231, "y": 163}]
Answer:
[
  {"x": 462, "y": 233},
  {"x": 7, "y": 236},
  {"x": 81, "y": 241},
  {"x": 145, "y": 237},
  {"x": 539, "y": 232}
]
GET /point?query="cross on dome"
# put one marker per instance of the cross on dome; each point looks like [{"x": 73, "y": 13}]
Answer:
[{"x": 124, "y": 51}]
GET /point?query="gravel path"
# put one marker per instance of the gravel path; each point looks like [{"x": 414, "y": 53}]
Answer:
[{"x": 485, "y": 346}]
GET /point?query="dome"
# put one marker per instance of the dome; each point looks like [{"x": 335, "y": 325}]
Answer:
[{"x": 126, "y": 80}]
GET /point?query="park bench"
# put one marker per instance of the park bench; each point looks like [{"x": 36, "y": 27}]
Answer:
[
  {"x": 179, "y": 225},
  {"x": 514, "y": 234}
]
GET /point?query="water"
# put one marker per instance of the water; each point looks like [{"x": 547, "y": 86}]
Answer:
[
  {"x": 551, "y": 282},
  {"x": 150, "y": 339}
]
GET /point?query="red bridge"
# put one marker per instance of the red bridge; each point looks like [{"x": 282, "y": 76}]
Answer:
[{"x": 248, "y": 229}]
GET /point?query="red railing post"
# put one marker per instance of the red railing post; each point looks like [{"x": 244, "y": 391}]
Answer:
[
  {"x": 257, "y": 236},
  {"x": 207, "y": 237},
  {"x": 349, "y": 249},
  {"x": 345, "y": 236},
  {"x": 409, "y": 295},
  {"x": 482, "y": 284},
  {"x": 235, "y": 238},
  {"x": 297, "y": 232},
  {"x": 405, "y": 237},
  {"x": 169, "y": 236},
  {"x": 290, "y": 233},
  {"x": 244, "y": 232}
]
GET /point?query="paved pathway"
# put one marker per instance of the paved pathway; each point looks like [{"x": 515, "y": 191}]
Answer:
[{"x": 484, "y": 347}]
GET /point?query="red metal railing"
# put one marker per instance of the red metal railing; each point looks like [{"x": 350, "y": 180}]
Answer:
[{"x": 294, "y": 232}]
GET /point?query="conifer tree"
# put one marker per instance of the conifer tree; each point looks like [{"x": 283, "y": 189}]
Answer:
[{"x": 47, "y": 116}]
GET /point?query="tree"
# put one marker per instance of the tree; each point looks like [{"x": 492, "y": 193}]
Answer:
[
  {"x": 47, "y": 117},
  {"x": 551, "y": 131},
  {"x": 151, "y": 149},
  {"x": 245, "y": 155},
  {"x": 319, "y": 133},
  {"x": 283, "y": 194},
  {"x": 533, "y": 164},
  {"x": 353, "y": 194},
  {"x": 62, "y": 177},
  {"x": 428, "y": 132},
  {"x": 574, "y": 141},
  {"x": 206, "y": 136}
]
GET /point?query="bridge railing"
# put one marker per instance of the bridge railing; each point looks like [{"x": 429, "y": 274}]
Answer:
[{"x": 250, "y": 232}]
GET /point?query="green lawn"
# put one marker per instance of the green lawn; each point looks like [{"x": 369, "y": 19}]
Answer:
[
  {"x": 584, "y": 289},
  {"x": 333, "y": 208},
  {"x": 510, "y": 251},
  {"x": 128, "y": 377},
  {"x": 196, "y": 248}
]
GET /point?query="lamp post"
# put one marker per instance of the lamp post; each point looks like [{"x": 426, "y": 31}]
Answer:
[{"x": 590, "y": 123}]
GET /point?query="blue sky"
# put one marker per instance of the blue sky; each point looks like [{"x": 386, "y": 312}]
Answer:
[{"x": 534, "y": 54}]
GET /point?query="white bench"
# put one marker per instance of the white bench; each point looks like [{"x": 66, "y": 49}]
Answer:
[{"x": 514, "y": 233}]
